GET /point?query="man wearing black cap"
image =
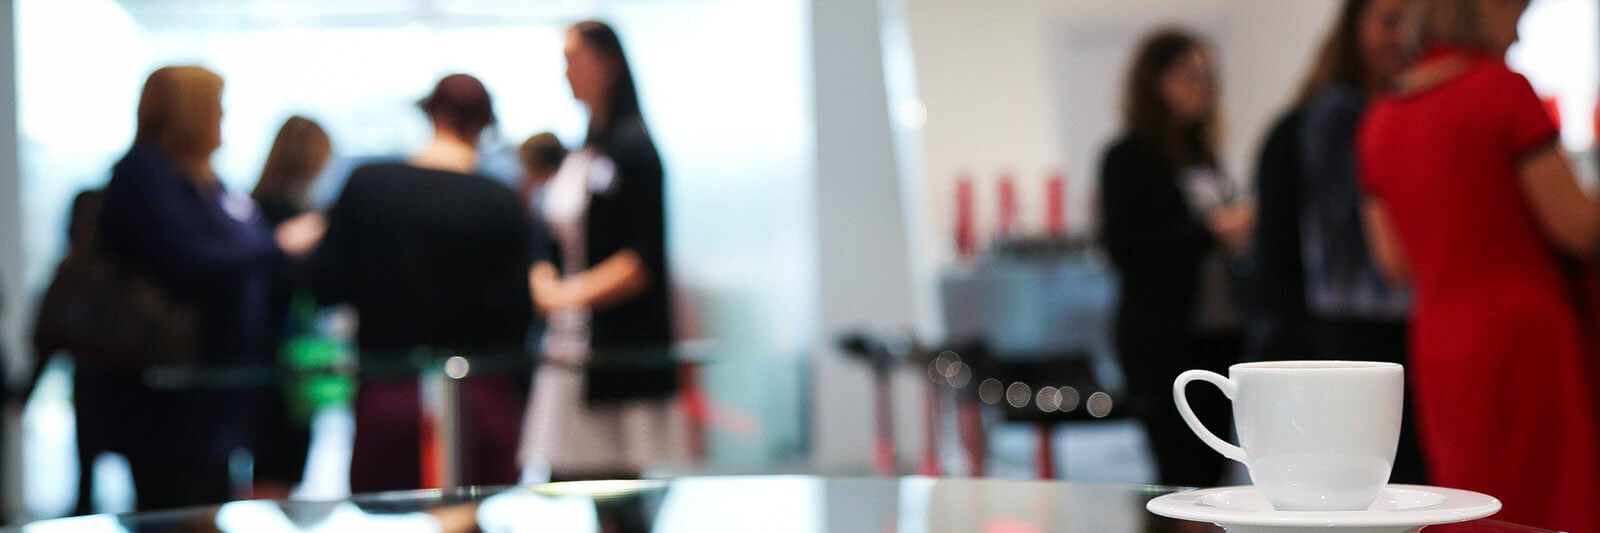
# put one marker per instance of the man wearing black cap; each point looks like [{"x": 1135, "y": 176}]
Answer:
[{"x": 432, "y": 255}]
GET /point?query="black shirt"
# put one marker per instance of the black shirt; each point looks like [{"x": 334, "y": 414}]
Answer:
[
  {"x": 632, "y": 339},
  {"x": 276, "y": 211},
  {"x": 1276, "y": 288},
  {"x": 630, "y": 214},
  {"x": 1155, "y": 240},
  {"x": 429, "y": 258}
]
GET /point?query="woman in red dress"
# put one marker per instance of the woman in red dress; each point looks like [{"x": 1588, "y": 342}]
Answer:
[{"x": 1472, "y": 201}]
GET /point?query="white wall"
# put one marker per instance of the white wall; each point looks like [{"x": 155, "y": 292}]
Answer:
[
  {"x": 1028, "y": 86},
  {"x": 1266, "y": 47},
  {"x": 862, "y": 262},
  {"x": 1559, "y": 52}
]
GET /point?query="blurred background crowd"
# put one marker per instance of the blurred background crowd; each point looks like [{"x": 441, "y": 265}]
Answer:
[{"x": 929, "y": 236}]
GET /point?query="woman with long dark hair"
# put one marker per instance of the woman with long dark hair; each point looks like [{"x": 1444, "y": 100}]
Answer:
[
  {"x": 1351, "y": 311},
  {"x": 607, "y": 301},
  {"x": 298, "y": 155},
  {"x": 1172, "y": 223},
  {"x": 1357, "y": 314}
]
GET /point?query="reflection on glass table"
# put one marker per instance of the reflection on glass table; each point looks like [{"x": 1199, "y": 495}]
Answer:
[
  {"x": 797, "y": 504},
  {"x": 441, "y": 373}
]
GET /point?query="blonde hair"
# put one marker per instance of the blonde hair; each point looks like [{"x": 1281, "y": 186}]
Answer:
[
  {"x": 296, "y": 159},
  {"x": 1449, "y": 22},
  {"x": 176, "y": 111}
]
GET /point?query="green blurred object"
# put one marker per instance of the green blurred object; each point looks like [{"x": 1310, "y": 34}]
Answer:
[{"x": 313, "y": 364}]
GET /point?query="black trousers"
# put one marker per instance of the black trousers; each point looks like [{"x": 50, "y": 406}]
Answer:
[
  {"x": 172, "y": 455},
  {"x": 167, "y": 485},
  {"x": 279, "y": 444},
  {"x": 1370, "y": 340},
  {"x": 1151, "y": 362},
  {"x": 158, "y": 483}
]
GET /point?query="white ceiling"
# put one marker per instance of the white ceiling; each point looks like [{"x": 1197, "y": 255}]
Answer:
[{"x": 202, "y": 14}]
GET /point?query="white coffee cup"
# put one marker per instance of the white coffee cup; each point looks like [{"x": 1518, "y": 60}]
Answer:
[{"x": 1315, "y": 435}]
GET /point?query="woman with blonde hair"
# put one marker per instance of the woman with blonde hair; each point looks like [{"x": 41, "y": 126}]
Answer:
[
  {"x": 166, "y": 215},
  {"x": 1471, "y": 201}
]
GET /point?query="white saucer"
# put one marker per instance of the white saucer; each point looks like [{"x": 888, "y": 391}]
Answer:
[{"x": 1398, "y": 509}]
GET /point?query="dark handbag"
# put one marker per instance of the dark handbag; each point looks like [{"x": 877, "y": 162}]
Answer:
[{"x": 108, "y": 314}]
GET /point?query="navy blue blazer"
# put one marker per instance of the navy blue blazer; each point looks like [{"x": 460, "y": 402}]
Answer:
[{"x": 208, "y": 248}]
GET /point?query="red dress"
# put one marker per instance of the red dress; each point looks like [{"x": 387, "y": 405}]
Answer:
[{"x": 1504, "y": 395}]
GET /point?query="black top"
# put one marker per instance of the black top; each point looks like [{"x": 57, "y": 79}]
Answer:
[
  {"x": 629, "y": 213},
  {"x": 429, "y": 258},
  {"x": 1276, "y": 287},
  {"x": 1341, "y": 281},
  {"x": 1156, "y": 241},
  {"x": 276, "y": 211}
]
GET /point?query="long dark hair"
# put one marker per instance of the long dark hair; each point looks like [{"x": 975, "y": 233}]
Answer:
[
  {"x": 1146, "y": 115},
  {"x": 1339, "y": 60},
  {"x": 297, "y": 156},
  {"x": 599, "y": 36}
]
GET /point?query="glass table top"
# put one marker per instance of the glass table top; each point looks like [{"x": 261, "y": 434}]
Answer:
[
  {"x": 388, "y": 365},
  {"x": 797, "y": 504}
]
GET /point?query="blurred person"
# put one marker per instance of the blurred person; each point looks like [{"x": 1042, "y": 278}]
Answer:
[
  {"x": 298, "y": 155},
  {"x": 13, "y": 410},
  {"x": 1353, "y": 312},
  {"x": 432, "y": 256},
  {"x": 1172, "y": 222},
  {"x": 540, "y": 156},
  {"x": 603, "y": 401},
  {"x": 1278, "y": 322},
  {"x": 83, "y": 241},
  {"x": 165, "y": 214},
  {"x": 1472, "y": 201}
]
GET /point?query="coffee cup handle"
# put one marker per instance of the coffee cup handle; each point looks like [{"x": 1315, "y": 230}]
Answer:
[{"x": 1229, "y": 389}]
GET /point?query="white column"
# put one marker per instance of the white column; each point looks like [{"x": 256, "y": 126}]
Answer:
[
  {"x": 863, "y": 272},
  {"x": 10, "y": 190},
  {"x": 16, "y": 304}
]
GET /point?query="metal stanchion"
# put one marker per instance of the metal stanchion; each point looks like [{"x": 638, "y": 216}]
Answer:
[
  {"x": 883, "y": 449},
  {"x": 452, "y": 427},
  {"x": 444, "y": 457},
  {"x": 933, "y": 403}
]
